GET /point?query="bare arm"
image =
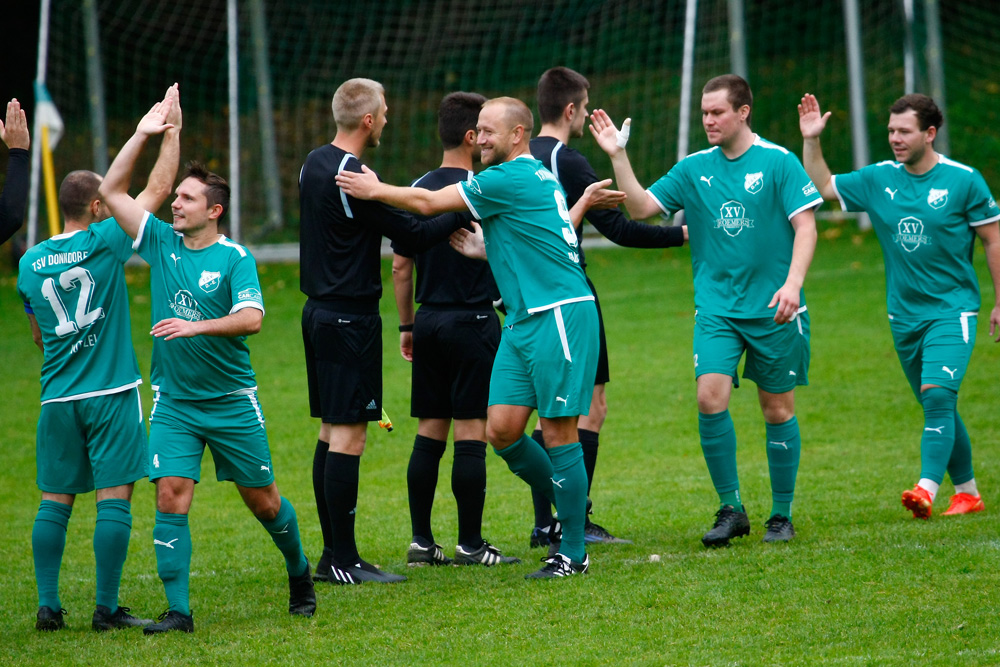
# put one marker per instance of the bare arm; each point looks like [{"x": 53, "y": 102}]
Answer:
[
  {"x": 812, "y": 121},
  {"x": 161, "y": 178},
  {"x": 787, "y": 296},
  {"x": 402, "y": 287},
  {"x": 640, "y": 206},
  {"x": 245, "y": 322},
  {"x": 114, "y": 189},
  {"x": 990, "y": 236},
  {"x": 416, "y": 200},
  {"x": 36, "y": 333}
]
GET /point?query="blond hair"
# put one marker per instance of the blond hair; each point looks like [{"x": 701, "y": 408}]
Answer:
[
  {"x": 516, "y": 113},
  {"x": 354, "y": 99}
]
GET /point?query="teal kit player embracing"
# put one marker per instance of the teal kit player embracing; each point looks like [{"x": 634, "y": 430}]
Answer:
[
  {"x": 927, "y": 211},
  {"x": 548, "y": 350},
  {"x": 205, "y": 300}
]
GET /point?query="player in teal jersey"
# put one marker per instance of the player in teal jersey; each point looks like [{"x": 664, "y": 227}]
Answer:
[
  {"x": 926, "y": 211},
  {"x": 91, "y": 432},
  {"x": 205, "y": 300},
  {"x": 748, "y": 205},
  {"x": 548, "y": 351}
]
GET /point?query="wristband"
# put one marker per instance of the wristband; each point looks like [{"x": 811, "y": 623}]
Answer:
[{"x": 403, "y": 328}]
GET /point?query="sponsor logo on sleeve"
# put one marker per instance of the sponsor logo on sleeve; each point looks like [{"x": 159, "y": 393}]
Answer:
[
  {"x": 809, "y": 189},
  {"x": 249, "y": 294}
]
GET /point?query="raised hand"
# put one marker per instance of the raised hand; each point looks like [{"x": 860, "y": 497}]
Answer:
[
  {"x": 605, "y": 132},
  {"x": 154, "y": 122},
  {"x": 812, "y": 120},
  {"x": 15, "y": 132},
  {"x": 174, "y": 115}
]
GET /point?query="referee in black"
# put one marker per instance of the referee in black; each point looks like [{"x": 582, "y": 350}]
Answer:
[
  {"x": 451, "y": 342},
  {"x": 340, "y": 255},
  {"x": 562, "y": 106}
]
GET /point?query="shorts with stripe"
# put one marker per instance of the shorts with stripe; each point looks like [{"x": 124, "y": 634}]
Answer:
[
  {"x": 603, "y": 375},
  {"x": 935, "y": 352},
  {"x": 232, "y": 427},
  {"x": 777, "y": 355},
  {"x": 453, "y": 353},
  {"x": 343, "y": 364},
  {"x": 548, "y": 361},
  {"x": 91, "y": 443}
]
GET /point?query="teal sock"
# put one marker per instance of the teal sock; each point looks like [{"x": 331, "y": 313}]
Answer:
[
  {"x": 960, "y": 463},
  {"x": 172, "y": 544},
  {"x": 783, "y": 448},
  {"x": 48, "y": 541},
  {"x": 939, "y": 432},
  {"x": 111, "y": 534},
  {"x": 528, "y": 460},
  {"x": 718, "y": 444},
  {"x": 284, "y": 530},
  {"x": 569, "y": 483}
]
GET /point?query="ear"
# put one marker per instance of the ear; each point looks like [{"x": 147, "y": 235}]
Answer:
[
  {"x": 470, "y": 137},
  {"x": 931, "y": 133},
  {"x": 368, "y": 121},
  {"x": 95, "y": 207},
  {"x": 215, "y": 212},
  {"x": 518, "y": 133},
  {"x": 744, "y": 112},
  {"x": 569, "y": 111}
]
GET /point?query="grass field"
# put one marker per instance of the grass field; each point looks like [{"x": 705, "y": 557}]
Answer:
[{"x": 863, "y": 583}]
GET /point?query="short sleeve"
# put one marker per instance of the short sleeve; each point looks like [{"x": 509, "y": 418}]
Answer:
[
  {"x": 485, "y": 193},
  {"x": 798, "y": 193},
  {"x": 244, "y": 285},
  {"x": 981, "y": 207},
  {"x": 852, "y": 190},
  {"x": 115, "y": 238},
  {"x": 668, "y": 190},
  {"x": 152, "y": 233}
]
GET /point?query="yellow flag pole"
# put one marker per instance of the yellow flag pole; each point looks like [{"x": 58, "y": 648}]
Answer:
[{"x": 49, "y": 176}]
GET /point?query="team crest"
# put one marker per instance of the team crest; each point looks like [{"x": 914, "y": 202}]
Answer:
[
  {"x": 753, "y": 183},
  {"x": 210, "y": 281},
  {"x": 732, "y": 218},
  {"x": 937, "y": 198},
  {"x": 911, "y": 234}
]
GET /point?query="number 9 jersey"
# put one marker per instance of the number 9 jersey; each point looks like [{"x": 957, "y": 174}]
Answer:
[{"x": 74, "y": 283}]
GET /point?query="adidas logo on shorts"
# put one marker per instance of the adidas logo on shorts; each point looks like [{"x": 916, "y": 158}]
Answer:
[{"x": 371, "y": 405}]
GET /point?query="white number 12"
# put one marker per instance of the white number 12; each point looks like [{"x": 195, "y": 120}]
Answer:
[{"x": 69, "y": 281}]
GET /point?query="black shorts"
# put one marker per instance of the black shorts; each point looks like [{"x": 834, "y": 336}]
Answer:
[
  {"x": 453, "y": 353},
  {"x": 343, "y": 364},
  {"x": 603, "y": 373}
]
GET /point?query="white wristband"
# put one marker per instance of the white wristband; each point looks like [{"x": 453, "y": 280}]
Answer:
[{"x": 624, "y": 132}]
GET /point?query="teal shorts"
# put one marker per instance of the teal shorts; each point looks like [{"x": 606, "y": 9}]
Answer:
[
  {"x": 91, "y": 443},
  {"x": 231, "y": 426},
  {"x": 777, "y": 354},
  {"x": 935, "y": 351},
  {"x": 549, "y": 361}
]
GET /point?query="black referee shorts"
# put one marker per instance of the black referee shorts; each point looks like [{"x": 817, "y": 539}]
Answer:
[
  {"x": 603, "y": 372},
  {"x": 343, "y": 364},
  {"x": 453, "y": 353}
]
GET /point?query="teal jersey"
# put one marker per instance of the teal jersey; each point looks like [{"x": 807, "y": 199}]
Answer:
[
  {"x": 204, "y": 284},
  {"x": 75, "y": 284},
  {"x": 925, "y": 227},
  {"x": 738, "y": 213},
  {"x": 530, "y": 239}
]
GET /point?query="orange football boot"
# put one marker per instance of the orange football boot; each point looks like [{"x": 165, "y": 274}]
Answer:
[
  {"x": 965, "y": 503},
  {"x": 918, "y": 501}
]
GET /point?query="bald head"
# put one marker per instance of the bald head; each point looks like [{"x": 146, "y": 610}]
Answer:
[{"x": 515, "y": 112}]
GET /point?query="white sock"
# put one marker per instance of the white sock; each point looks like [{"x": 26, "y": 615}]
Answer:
[
  {"x": 929, "y": 486},
  {"x": 967, "y": 487}
]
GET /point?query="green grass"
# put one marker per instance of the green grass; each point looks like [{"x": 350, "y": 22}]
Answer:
[{"x": 861, "y": 584}]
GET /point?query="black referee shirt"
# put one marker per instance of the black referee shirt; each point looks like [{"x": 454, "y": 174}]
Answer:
[
  {"x": 340, "y": 237},
  {"x": 445, "y": 277},
  {"x": 575, "y": 174}
]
